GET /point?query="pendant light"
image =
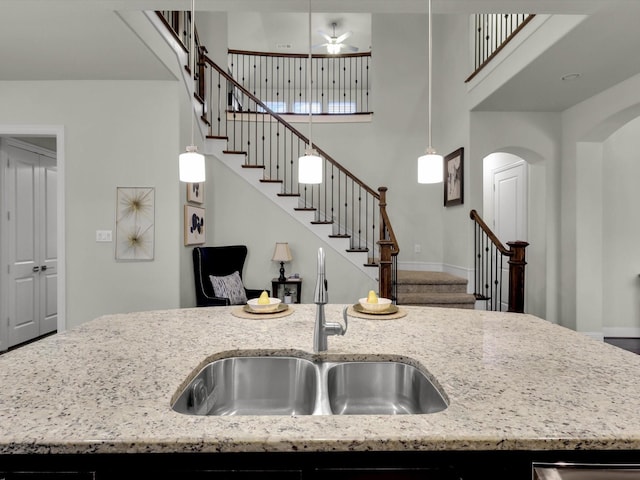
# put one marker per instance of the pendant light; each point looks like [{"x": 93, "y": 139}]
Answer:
[
  {"x": 310, "y": 164},
  {"x": 191, "y": 163},
  {"x": 430, "y": 165}
]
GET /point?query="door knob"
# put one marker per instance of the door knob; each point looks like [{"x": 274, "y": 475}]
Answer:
[
  {"x": 36, "y": 269},
  {"x": 43, "y": 268}
]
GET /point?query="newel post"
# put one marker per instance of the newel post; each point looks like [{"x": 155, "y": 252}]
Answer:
[
  {"x": 385, "y": 281},
  {"x": 516, "y": 276}
]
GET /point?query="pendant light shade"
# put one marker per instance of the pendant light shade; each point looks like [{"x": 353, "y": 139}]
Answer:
[
  {"x": 430, "y": 165},
  {"x": 310, "y": 164},
  {"x": 310, "y": 167},
  {"x": 191, "y": 163}
]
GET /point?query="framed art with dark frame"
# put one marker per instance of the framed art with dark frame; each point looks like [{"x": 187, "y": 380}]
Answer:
[{"x": 454, "y": 178}]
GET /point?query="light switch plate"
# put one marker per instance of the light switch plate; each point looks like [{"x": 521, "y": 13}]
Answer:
[{"x": 103, "y": 236}]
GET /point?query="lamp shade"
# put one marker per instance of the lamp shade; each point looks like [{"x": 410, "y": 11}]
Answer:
[
  {"x": 310, "y": 168},
  {"x": 191, "y": 164},
  {"x": 430, "y": 168},
  {"x": 282, "y": 253}
]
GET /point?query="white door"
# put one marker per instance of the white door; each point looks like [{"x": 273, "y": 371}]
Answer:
[
  {"x": 30, "y": 182},
  {"x": 509, "y": 212}
]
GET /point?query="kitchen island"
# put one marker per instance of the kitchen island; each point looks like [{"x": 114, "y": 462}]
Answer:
[{"x": 519, "y": 389}]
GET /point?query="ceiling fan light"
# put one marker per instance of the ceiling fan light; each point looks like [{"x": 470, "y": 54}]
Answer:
[
  {"x": 430, "y": 167},
  {"x": 191, "y": 165},
  {"x": 310, "y": 168},
  {"x": 333, "y": 48}
]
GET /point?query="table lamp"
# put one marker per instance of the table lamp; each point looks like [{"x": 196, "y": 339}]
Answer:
[{"x": 282, "y": 254}]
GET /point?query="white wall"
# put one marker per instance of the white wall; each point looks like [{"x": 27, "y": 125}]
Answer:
[
  {"x": 534, "y": 137},
  {"x": 451, "y": 130},
  {"x": 586, "y": 149},
  {"x": 116, "y": 134},
  {"x": 620, "y": 171}
]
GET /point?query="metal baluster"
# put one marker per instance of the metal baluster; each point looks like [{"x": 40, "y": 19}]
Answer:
[{"x": 322, "y": 60}]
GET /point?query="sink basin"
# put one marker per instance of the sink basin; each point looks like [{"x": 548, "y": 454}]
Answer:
[
  {"x": 251, "y": 386},
  {"x": 279, "y": 385},
  {"x": 381, "y": 388}
]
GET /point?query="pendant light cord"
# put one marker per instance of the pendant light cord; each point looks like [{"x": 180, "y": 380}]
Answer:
[
  {"x": 310, "y": 69},
  {"x": 193, "y": 65},
  {"x": 429, "y": 75}
]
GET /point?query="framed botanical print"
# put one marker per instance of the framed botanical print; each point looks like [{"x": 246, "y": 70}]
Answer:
[
  {"x": 195, "y": 192},
  {"x": 454, "y": 178},
  {"x": 194, "y": 227}
]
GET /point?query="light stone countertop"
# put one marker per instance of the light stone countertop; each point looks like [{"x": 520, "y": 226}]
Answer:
[{"x": 513, "y": 382}]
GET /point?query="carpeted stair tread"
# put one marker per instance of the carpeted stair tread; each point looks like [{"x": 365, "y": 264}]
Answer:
[{"x": 433, "y": 289}]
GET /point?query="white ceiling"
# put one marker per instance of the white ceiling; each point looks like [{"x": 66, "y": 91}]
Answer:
[{"x": 86, "y": 40}]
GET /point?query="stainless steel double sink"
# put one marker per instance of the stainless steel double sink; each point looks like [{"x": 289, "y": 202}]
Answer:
[{"x": 286, "y": 385}]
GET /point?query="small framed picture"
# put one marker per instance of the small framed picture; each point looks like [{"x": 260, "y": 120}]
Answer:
[
  {"x": 454, "y": 178},
  {"x": 194, "y": 227},
  {"x": 195, "y": 192}
]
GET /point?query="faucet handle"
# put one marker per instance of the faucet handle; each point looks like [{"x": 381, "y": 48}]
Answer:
[
  {"x": 346, "y": 319},
  {"x": 334, "y": 328}
]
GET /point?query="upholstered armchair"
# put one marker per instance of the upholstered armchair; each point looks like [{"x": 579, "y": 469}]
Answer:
[{"x": 222, "y": 266}]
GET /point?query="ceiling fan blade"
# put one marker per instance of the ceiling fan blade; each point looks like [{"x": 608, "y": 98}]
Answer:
[
  {"x": 349, "y": 48},
  {"x": 318, "y": 45},
  {"x": 327, "y": 37},
  {"x": 343, "y": 37}
]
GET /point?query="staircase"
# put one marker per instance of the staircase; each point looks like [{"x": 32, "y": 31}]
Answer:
[
  {"x": 433, "y": 289},
  {"x": 262, "y": 147}
]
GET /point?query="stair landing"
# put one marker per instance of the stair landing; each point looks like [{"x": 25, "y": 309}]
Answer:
[{"x": 433, "y": 289}]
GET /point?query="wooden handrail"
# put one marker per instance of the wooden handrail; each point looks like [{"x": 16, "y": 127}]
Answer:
[
  {"x": 299, "y": 55},
  {"x": 488, "y": 273},
  {"x": 499, "y": 245}
]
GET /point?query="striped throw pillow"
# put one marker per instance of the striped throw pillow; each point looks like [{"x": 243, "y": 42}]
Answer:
[{"x": 231, "y": 287}]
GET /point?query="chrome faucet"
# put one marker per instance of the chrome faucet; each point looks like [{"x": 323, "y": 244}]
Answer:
[{"x": 323, "y": 329}]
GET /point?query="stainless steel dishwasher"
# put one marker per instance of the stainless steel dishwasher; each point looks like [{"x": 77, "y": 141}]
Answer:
[{"x": 585, "y": 471}]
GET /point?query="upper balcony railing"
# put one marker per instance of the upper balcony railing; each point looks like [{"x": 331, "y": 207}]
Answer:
[
  {"x": 492, "y": 31},
  {"x": 341, "y": 83}
]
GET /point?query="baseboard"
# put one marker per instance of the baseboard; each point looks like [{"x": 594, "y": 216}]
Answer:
[
  {"x": 621, "y": 332},
  {"x": 595, "y": 335},
  {"x": 420, "y": 266}
]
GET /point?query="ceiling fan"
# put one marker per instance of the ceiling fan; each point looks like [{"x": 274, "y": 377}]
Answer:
[{"x": 334, "y": 43}]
